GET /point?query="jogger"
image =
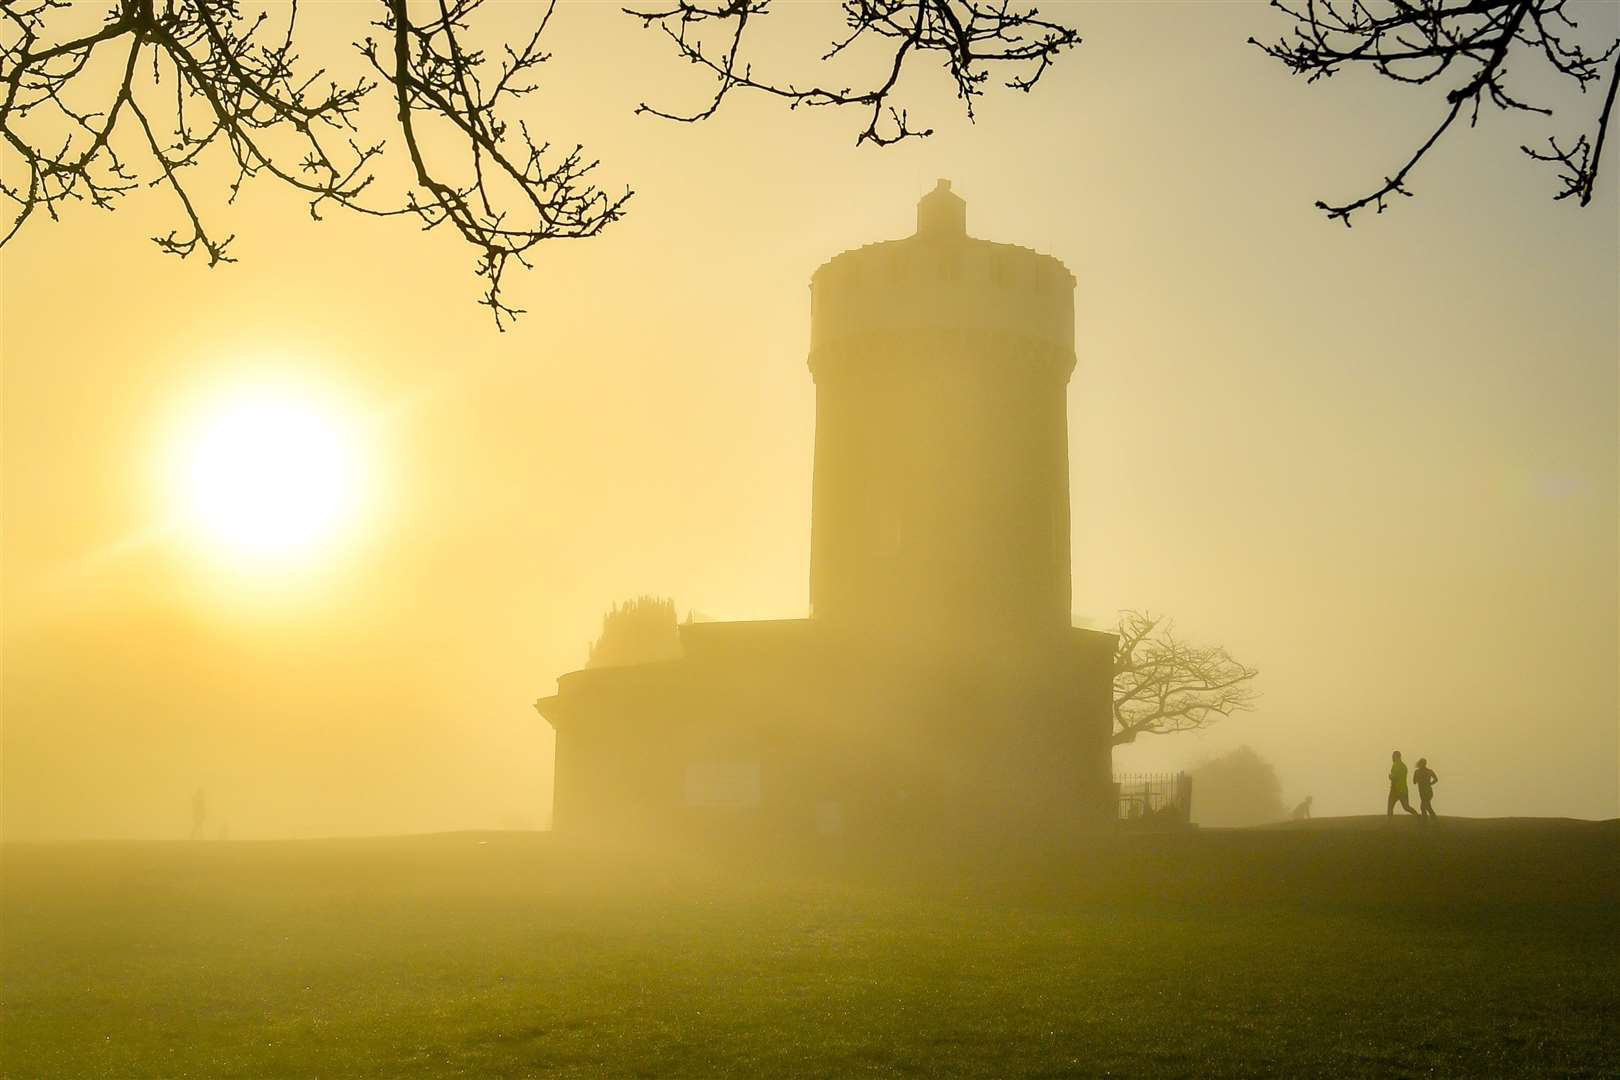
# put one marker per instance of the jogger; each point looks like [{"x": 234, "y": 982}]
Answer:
[
  {"x": 1397, "y": 786},
  {"x": 1425, "y": 779}
]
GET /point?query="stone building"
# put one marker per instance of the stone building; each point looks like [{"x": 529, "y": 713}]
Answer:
[{"x": 937, "y": 685}]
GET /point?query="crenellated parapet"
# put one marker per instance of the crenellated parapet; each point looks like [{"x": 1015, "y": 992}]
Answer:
[{"x": 941, "y": 287}]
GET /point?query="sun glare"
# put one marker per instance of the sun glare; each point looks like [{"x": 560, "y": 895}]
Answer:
[{"x": 267, "y": 475}]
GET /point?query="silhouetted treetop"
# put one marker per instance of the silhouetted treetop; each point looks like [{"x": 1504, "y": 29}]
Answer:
[
  {"x": 1236, "y": 789},
  {"x": 637, "y": 631},
  {"x": 1463, "y": 49},
  {"x": 969, "y": 39},
  {"x": 1162, "y": 684}
]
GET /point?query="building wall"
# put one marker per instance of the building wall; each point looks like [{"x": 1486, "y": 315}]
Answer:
[
  {"x": 940, "y": 493},
  {"x": 810, "y": 735}
]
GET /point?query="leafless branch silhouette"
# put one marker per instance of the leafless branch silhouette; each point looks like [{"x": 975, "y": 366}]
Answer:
[
  {"x": 1468, "y": 47},
  {"x": 1162, "y": 684},
  {"x": 969, "y": 37},
  {"x": 195, "y": 80}
]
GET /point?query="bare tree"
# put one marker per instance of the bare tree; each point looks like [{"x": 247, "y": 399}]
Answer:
[
  {"x": 1464, "y": 49},
  {"x": 97, "y": 101},
  {"x": 968, "y": 37},
  {"x": 1162, "y": 684}
]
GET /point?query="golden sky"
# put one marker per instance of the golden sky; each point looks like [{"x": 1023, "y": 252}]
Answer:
[{"x": 1380, "y": 464}]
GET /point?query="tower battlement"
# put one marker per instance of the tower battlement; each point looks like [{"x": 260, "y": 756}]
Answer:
[{"x": 941, "y": 281}]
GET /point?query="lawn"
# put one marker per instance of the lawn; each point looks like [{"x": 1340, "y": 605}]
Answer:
[{"x": 1344, "y": 948}]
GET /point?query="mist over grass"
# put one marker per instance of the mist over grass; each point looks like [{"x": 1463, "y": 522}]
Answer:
[{"x": 1468, "y": 950}]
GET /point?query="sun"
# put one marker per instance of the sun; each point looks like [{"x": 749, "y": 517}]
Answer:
[{"x": 266, "y": 474}]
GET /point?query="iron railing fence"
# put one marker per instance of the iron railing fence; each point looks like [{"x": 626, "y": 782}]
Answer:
[{"x": 1160, "y": 798}]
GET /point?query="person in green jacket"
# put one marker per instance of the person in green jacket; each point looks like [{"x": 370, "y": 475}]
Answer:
[{"x": 1397, "y": 786}]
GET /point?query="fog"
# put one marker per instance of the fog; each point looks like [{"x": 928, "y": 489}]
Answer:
[{"x": 1378, "y": 464}]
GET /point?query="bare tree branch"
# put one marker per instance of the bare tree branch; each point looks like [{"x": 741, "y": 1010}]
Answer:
[
  {"x": 207, "y": 79},
  {"x": 436, "y": 79},
  {"x": 1163, "y": 685},
  {"x": 198, "y": 81},
  {"x": 970, "y": 37},
  {"x": 1466, "y": 44}
]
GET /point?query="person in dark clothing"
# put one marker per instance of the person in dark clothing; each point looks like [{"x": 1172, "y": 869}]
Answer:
[
  {"x": 1397, "y": 786},
  {"x": 1425, "y": 779}
]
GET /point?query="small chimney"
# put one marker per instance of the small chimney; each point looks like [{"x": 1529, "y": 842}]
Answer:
[{"x": 942, "y": 213}]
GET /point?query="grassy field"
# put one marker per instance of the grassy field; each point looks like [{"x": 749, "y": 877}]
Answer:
[{"x": 1348, "y": 948}]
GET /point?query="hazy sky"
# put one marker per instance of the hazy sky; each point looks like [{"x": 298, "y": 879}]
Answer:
[{"x": 1380, "y": 464}]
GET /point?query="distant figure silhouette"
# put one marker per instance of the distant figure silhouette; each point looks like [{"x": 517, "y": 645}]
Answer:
[
  {"x": 1425, "y": 779},
  {"x": 199, "y": 813},
  {"x": 1397, "y": 786},
  {"x": 1302, "y": 812}
]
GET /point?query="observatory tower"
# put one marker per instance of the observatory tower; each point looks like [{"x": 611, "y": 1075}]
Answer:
[
  {"x": 937, "y": 689},
  {"x": 940, "y": 505}
]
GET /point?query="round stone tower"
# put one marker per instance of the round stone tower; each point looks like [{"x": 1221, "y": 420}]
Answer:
[{"x": 940, "y": 507}]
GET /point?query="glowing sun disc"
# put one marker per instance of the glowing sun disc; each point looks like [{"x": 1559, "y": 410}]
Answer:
[{"x": 267, "y": 475}]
